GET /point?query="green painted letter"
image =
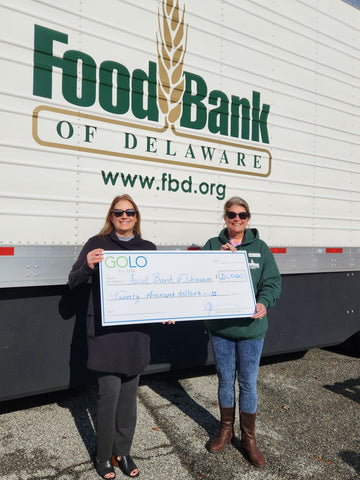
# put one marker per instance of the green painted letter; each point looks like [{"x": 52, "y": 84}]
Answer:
[
  {"x": 44, "y": 61},
  {"x": 194, "y": 100}
]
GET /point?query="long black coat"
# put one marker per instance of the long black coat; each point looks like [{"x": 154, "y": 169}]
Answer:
[{"x": 113, "y": 349}]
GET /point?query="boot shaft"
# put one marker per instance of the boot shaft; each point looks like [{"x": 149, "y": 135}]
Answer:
[
  {"x": 248, "y": 441},
  {"x": 247, "y": 424},
  {"x": 227, "y": 417}
]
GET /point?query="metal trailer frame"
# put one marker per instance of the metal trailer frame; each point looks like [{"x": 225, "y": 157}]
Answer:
[{"x": 43, "y": 341}]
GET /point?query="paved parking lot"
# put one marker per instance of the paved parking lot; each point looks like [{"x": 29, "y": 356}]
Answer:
[{"x": 308, "y": 426}]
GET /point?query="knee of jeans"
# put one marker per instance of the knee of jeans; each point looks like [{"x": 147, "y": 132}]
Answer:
[
  {"x": 247, "y": 387},
  {"x": 226, "y": 378}
]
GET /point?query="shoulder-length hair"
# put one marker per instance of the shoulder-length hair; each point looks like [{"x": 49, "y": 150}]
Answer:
[{"x": 109, "y": 226}]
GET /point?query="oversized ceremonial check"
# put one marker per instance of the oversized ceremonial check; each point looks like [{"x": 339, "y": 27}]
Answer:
[{"x": 157, "y": 286}]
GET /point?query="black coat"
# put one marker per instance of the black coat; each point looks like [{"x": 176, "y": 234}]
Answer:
[{"x": 113, "y": 349}]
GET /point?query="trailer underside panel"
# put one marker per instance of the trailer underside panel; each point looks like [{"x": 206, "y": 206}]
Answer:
[{"x": 43, "y": 334}]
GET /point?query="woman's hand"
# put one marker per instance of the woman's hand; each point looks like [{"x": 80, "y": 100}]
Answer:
[
  {"x": 260, "y": 311},
  {"x": 228, "y": 246},
  {"x": 169, "y": 322},
  {"x": 94, "y": 257}
]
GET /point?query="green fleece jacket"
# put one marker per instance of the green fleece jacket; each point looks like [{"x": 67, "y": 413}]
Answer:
[{"x": 266, "y": 281}]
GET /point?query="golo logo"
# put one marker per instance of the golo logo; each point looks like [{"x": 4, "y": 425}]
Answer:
[{"x": 122, "y": 261}]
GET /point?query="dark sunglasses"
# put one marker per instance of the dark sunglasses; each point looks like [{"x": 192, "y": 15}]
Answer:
[
  {"x": 241, "y": 215},
  {"x": 130, "y": 212}
]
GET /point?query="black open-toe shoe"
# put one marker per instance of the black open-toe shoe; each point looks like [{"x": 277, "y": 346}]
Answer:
[
  {"x": 104, "y": 467},
  {"x": 126, "y": 464}
]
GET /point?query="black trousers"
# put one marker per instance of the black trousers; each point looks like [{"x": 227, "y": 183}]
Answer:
[{"x": 116, "y": 414}]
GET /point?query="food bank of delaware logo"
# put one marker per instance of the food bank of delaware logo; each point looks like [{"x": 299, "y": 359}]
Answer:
[{"x": 161, "y": 113}]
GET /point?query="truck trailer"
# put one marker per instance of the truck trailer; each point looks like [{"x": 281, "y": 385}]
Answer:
[{"x": 182, "y": 104}]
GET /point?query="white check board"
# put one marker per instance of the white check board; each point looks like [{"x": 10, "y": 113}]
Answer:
[{"x": 158, "y": 286}]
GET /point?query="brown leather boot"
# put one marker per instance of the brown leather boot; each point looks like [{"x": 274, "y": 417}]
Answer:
[
  {"x": 227, "y": 415},
  {"x": 248, "y": 443}
]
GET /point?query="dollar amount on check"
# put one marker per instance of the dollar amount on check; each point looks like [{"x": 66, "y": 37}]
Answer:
[{"x": 157, "y": 286}]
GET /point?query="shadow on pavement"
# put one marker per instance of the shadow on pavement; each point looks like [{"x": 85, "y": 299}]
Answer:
[
  {"x": 83, "y": 410},
  {"x": 168, "y": 386},
  {"x": 352, "y": 458},
  {"x": 349, "y": 388}
]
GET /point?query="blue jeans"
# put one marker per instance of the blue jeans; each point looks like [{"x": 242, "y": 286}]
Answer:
[{"x": 245, "y": 356}]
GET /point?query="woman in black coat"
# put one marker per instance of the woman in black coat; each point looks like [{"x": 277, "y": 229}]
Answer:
[{"x": 119, "y": 354}]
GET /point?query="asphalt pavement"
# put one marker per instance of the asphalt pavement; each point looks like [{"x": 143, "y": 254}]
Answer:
[{"x": 308, "y": 426}]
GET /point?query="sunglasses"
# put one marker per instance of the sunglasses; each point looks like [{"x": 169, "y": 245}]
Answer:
[
  {"x": 130, "y": 212},
  {"x": 241, "y": 215}
]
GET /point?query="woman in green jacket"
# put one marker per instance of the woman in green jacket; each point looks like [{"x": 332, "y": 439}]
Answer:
[{"x": 238, "y": 342}]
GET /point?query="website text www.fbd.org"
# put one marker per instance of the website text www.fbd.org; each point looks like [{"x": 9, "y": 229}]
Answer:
[{"x": 166, "y": 182}]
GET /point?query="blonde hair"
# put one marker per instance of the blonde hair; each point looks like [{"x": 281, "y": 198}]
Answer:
[
  {"x": 236, "y": 201},
  {"x": 109, "y": 226}
]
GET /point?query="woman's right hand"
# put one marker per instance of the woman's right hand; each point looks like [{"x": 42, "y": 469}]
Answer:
[
  {"x": 94, "y": 257},
  {"x": 228, "y": 246}
]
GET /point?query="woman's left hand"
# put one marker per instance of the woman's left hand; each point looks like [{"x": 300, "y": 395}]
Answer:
[
  {"x": 260, "y": 311},
  {"x": 169, "y": 322}
]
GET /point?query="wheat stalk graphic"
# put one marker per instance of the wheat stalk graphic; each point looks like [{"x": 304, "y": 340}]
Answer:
[{"x": 171, "y": 47}]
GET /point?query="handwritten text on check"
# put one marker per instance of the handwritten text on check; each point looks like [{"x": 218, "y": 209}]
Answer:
[{"x": 157, "y": 286}]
